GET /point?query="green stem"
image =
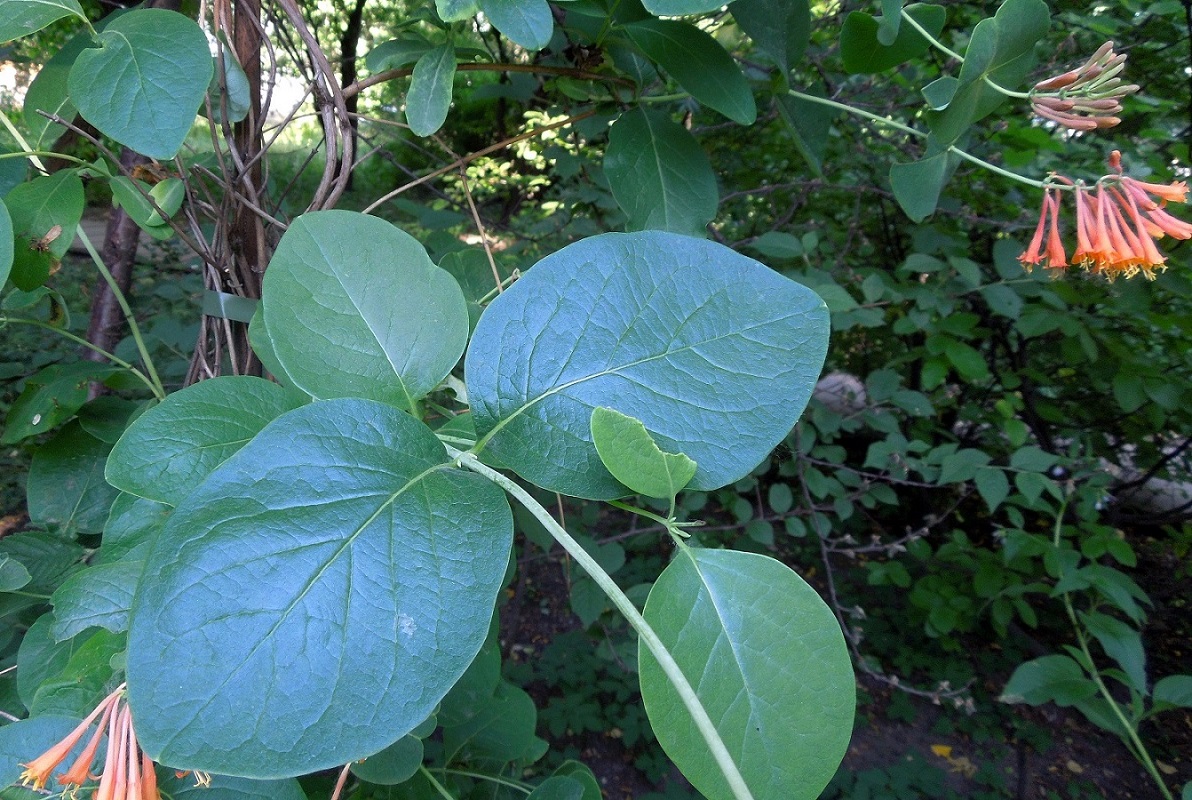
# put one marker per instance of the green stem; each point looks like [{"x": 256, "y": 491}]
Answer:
[
  {"x": 1133, "y": 741},
  {"x": 898, "y": 126},
  {"x": 512, "y": 784},
  {"x": 79, "y": 340},
  {"x": 46, "y": 153},
  {"x": 154, "y": 382},
  {"x": 157, "y": 387},
  {"x": 641, "y": 512},
  {"x": 645, "y": 632},
  {"x": 438, "y": 787},
  {"x": 938, "y": 45}
]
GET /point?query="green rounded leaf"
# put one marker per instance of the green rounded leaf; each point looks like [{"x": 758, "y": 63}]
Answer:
[
  {"x": 52, "y": 397},
  {"x": 863, "y": 52},
  {"x": 917, "y": 185},
  {"x": 223, "y": 787},
  {"x": 395, "y": 764},
  {"x": 634, "y": 458},
  {"x": 49, "y": 93},
  {"x": 779, "y": 28},
  {"x": 144, "y": 83},
  {"x": 699, "y": 63},
  {"x": 429, "y": 97},
  {"x": 768, "y": 661},
  {"x": 37, "y": 207},
  {"x": 716, "y": 354},
  {"x": 387, "y": 323},
  {"x": 21, "y": 742},
  {"x": 1056, "y": 679},
  {"x": 97, "y": 596},
  {"x": 66, "y": 488},
  {"x": 23, "y": 17},
  {"x": 528, "y": 23},
  {"x": 170, "y": 448},
  {"x": 6, "y": 244},
  {"x": 320, "y": 591},
  {"x": 660, "y": 176}
]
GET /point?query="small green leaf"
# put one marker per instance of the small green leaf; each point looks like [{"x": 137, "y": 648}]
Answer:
[
  {"x": 699, "y": 63},
  {"x": 939, "y": 93},
  {"x": 84, "y": 680},
  {"x": 24, "y": 740},
  {"x": 144, "y": 83},
  {"x": 23, "y": 17},
  {"x": 173, "y": 446},
  {"x": 449, "y": 11},
  {"x": 1174, "y": 690},
  {"x": 581, "y": 772},
  {"x": 51, "y": 397},
  {"x": 559, "y": 787},
  {"x": 6, "y": 244},
  {"x": 96, "y": 596},
  {"x": 659, "y": 174},
  {"x": 168, "y": 195},
  {"x": 889, "y": 22},
  {"x": 777, "y": 245},
  {"x": 809, "y": 123},
  {"x": 37, "y": 207},
  {"x": 409, "y": 47},
  {"x": 237, "y": 100},
  {"x": 429, "y": 97},
  {"x": 863, "y": 52},
  {"x": 13, "y": 575},
  {"x": 634, "y": 458},
  {"x": 993, "y": 486},
  {"x": 223, "y": 787},
  {"x": 917, "y": 185},
  {"x": 528, "y": 23},
  {"x": 1122, "y": 643},
  {"x": 779, "y": 28},
  {"x": 66, "y": 488},
  {"x": 1049, "y": 679},
  {"x": 785, "y": 709},
  {"x": 393, "y": 765}
]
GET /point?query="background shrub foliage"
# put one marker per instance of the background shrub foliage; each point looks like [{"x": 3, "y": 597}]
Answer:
[{"x": 987, "y": 453}]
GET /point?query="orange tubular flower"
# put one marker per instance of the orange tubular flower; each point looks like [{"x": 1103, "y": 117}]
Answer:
[
  {"x": 127, "y": 772},
  {"x": 1056, "y": 257},
  {"x": 37, "y": 771}
]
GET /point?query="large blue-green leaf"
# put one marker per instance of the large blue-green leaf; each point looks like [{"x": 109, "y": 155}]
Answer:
[
  {"x": 144, "y": 83},
  {"x": 386, "y": 324},
  {"x": 22, "y": 17},
  {"x": 320, "y": 591},
  {"x": 66, "y": 489},
  {"x": 715, "y": 353},
  {"x": 680, "y": 8},
  {"x": 170, "y": 448},
  {"x": 659, "y": 174},
  {"x": 429, "y": 97},
  {"x": 45, "y": 212},
  {"x": 529, "y": 23},
  {"x": 768, "y": 661},
  {"x": 699, "y": 63}
]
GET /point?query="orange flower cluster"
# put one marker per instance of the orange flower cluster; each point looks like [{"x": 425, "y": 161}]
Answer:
[
  {"x": 1117, "y": 223},
  {"x": 1085, "y": 98},
  {"x": 128, "y": 773}
]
